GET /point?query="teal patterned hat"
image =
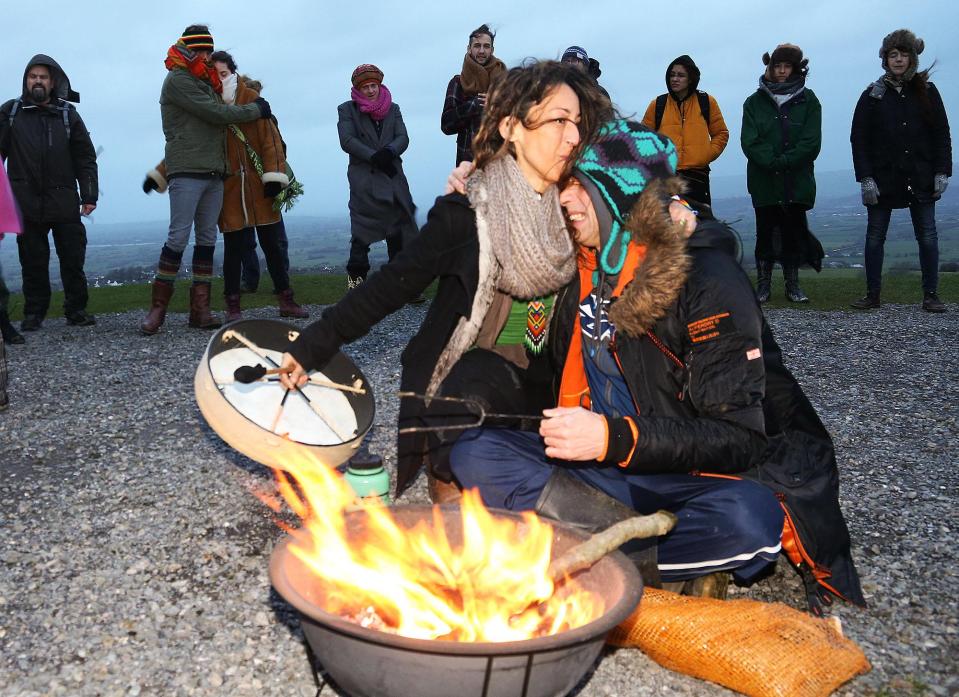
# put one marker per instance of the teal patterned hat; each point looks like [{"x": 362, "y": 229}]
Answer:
[{"x": 622, "y": 160}]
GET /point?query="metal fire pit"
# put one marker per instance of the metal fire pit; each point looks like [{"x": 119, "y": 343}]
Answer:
[{"x": 377, "y": 664}]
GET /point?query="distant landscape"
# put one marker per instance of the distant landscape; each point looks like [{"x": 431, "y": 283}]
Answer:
[{"x": 127, "y": 253}]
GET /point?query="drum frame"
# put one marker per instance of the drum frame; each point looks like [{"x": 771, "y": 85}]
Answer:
[{"x": 265, "y": 447}]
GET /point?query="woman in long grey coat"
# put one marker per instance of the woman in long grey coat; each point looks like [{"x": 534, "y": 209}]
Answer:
[{"x": 372, "y": 132}]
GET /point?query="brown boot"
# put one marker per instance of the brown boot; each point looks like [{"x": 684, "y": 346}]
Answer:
[
  {"x": 200, "y": 316},
  {"x": 288, "y": 306},
  {"x": 162, "y": 292},
  {"x": 442, "y": 492},
  {"x": 233, "y": 312},
  {"x": 712, "y": 585}
]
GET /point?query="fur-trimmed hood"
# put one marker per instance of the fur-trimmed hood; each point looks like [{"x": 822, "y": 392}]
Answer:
[{"x": 662, "y": 273}]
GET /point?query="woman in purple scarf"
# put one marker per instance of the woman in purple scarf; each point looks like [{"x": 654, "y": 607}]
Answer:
[{"x": 372, "y": 132}]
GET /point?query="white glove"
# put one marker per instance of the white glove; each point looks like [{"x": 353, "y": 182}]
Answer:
[
  {"x": 941, "y": 182},
  {"x": 870, "y": 192}
]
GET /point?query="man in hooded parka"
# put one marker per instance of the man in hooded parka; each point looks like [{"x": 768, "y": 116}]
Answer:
[{"x": 52, "y": 167}]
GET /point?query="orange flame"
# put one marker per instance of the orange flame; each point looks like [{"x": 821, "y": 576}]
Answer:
[{"x": 492, "y": 585}]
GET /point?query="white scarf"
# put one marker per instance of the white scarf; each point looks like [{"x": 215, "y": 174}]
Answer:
[{"x": 229, "y": 89}]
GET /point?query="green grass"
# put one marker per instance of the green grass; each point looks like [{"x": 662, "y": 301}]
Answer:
[{"x": 833, "y": 289}]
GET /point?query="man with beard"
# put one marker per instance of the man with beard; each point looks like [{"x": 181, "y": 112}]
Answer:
[
  {"x": 49, "y": 154},
  {"x": 466, "y": 93}
]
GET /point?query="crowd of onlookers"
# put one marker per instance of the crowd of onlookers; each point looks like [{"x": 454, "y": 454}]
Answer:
[{"x": 225, "y": 169}]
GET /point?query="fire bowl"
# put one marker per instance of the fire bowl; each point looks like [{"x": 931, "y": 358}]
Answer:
[{"x": 369, "y": 663}]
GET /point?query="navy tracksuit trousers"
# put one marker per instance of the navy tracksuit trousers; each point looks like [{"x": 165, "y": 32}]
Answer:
[{"x": 724, "y": 524}]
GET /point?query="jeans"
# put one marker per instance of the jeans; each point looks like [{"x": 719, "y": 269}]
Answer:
[
  {"x": 923, "y": 225},
  {"x": 274, "y": 244},
  {"x": 249, "y": 261},
  {"x": 33, "y": 246},
  {"x": 194, "y": 202}
]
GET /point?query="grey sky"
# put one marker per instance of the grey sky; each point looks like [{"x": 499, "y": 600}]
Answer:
[{"x": 304, "y": 53}]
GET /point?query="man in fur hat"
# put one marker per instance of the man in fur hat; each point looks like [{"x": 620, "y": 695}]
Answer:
[
  {"x": 466, "y": 92},
  {"x": 49, "y": 156}
]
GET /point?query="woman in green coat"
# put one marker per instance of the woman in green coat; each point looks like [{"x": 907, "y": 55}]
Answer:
[{"x": 781, "y": 137}]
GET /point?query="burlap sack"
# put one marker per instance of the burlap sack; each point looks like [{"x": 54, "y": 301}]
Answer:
[{"x": 759, "y": 649}]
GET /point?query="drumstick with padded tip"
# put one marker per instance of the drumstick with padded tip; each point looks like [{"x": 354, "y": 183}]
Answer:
[
  {"x": 247, "y": 374},
  {"x": 317, "y": 409}
]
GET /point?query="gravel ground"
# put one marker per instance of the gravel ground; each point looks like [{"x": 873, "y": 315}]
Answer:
[{"x": 133, "y": 559}]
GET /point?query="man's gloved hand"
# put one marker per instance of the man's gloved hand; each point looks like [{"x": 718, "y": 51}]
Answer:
[
  {"x": 870, "y": 192},
  {"x": 265, "y": 111},
  {"x": 941, "y": 182},
  {"x": 149, "y": 184},
  {"x": 272, "y": 189}
]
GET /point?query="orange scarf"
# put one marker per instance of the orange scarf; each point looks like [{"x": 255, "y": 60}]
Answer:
[{"x": 182, "y": 58}]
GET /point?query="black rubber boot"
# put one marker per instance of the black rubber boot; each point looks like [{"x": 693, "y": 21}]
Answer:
[
  {"x": 794, "y": 293},
  {"x": 9, "y": 332},
  {"x": 764, "y": 280},
  {"x": 570, "y": 500}
]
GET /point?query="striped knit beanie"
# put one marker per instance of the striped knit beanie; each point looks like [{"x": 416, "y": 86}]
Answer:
[
  {"x": 197, "y": 40},
  {"x": 619, "y": 164},
  {"x": 365, "y": 73}
]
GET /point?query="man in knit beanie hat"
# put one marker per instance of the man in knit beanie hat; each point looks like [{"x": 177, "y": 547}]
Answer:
[
  {"x": 619, "y": 440},
  {"x": 194, "y": 121}
]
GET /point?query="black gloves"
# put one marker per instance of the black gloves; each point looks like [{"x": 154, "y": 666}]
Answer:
[
  {"x": 272, "y": 189},
  {"x": 265, "y": 111},
  {"x": 149, "y": 184},
  {"x": 382, "y": 159}
]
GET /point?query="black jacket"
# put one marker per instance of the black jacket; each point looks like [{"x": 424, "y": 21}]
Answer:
[
  {"x": 713, "y": 395},
  {"x": 900, "y": 142},
  {"x": 44, "y": 165},
  {"x": 698, "y": 395},
  {"x": 447, "y": 249}
]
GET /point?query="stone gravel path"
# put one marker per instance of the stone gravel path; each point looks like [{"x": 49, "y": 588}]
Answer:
[{"x": 133, "y": 558}]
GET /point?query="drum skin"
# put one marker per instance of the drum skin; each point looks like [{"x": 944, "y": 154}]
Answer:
[{"x": 253, "y": 440}]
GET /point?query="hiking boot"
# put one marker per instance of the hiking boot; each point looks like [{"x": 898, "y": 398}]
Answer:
[
  {"x": 81, "y": 318},
  {"x": 869, "y": 301},
  {"x": 200, "y": 315},
  {"x": 712, "y": 585},
  {"x": 9, "y": 332},
  {"x": 233, "y": 312},
  {"x": 764, "y": 280},
  {"x": 570, "y": 500},
  {"x": 353, "y": 281},
  {"x": 932, "y": 303},
  {"x": 31, "y": 323},
  {"x": 418, "y": 300},
  {"x": 289, "y": 306},
  {"x": 159, "y": 302},
  {"x": 794, "y": 293},
  {"x": 246, "y": 289}
]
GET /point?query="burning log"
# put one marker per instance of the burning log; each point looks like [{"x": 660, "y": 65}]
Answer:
[{"x": 584, "y": 555}]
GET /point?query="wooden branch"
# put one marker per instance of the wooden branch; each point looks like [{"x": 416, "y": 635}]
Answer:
[{"x": 587, "y": 553}]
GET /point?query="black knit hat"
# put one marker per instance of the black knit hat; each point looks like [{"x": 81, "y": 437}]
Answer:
[{"x": 197, "y": 38}]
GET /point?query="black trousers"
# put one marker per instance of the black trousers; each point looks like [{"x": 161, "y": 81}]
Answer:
[
  {"x": 359, "y": 261},
  {"x": 70, "y": 240},
  {"x": 274, "y": 244},
  {"x": 783, "y": 235},
  {"x": 697, "y": 182}
]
